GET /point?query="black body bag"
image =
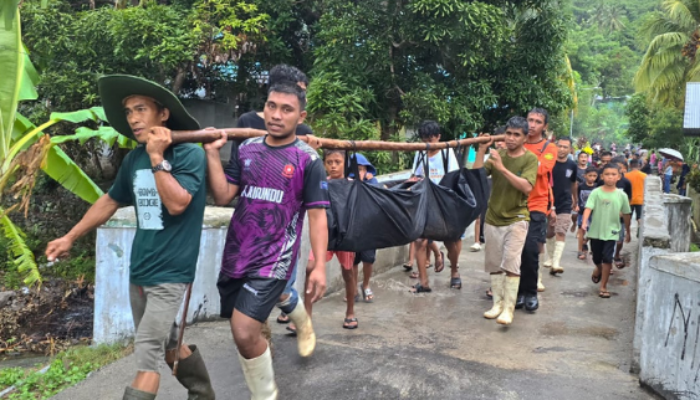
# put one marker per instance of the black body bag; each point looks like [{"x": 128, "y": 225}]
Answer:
[
  {"x": 365, "y": 217},
  {"x": 455, "y": 203}
]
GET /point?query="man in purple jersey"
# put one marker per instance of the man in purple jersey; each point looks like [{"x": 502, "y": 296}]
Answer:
[{"x": 278, "y": 178}]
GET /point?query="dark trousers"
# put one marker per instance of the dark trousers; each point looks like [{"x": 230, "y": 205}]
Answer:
[{"x": 530, "y": 258}]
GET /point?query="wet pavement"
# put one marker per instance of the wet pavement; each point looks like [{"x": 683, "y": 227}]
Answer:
[{"x": 436, "y": 345}]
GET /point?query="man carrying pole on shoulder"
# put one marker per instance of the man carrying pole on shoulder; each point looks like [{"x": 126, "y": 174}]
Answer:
[{"x": 166, "y": 185}]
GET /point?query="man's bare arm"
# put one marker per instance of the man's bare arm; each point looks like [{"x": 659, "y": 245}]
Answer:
[{"x": 97, "y": 215}]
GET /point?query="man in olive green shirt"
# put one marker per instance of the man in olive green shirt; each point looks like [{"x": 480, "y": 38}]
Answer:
[{"x": 513, "y": 173}]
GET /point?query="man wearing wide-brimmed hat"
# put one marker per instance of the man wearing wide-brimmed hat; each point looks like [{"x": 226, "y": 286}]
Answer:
[{"x": 166, "y": 185}]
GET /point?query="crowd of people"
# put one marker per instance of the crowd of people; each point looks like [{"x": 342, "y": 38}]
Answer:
[{"x": 539, "y": 187}]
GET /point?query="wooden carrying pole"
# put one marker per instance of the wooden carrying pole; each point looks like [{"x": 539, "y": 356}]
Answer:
[{"x": 210, "y": 135}]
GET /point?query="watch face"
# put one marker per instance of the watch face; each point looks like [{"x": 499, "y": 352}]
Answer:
[{"x": 166, "y": 166}]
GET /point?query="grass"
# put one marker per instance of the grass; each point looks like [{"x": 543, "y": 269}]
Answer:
[
  {"x": 694, "y": 247},
  {"x": 65, "y": 370}
]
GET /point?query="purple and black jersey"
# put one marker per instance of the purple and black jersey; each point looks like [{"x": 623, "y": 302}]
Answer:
[{"x": 276, "y": 186}]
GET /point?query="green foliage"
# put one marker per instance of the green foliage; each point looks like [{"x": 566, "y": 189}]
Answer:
[
  {"x": 670, "y": 61},
  {"x": 467, "y": 65},
  {"x": 66, "y": 369},
  {"x": 19, "y": 252},
  {"x": 185, "y": 47},
  {"x": 693, "y": 180}
]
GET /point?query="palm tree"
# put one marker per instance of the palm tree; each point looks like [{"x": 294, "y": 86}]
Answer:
[
  {"x": 670, "y": 60},
  {"x": 608, "y": 17}
]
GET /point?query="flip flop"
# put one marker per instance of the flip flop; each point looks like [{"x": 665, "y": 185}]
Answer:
[
  {"x": 620, "y": 263},
  {"x": 407, "y": 268},
  {"x": 414, "y": 275},
  {"x": 418, "y": 288},
  {"x": 581, "y": 255},
  {"x": 456, "y": 283},
  {"x": 439, "y": 266},
  {"x": 367, "y": 295},
  {"x": 604, "y": 294},
  {"x": 595, "y": 279},
  {"x": 292, "y": 331},
  {"x": 489, "y": 294},
  {"x": 348, "y": 321},
  {"x": 283, "y": 318}
]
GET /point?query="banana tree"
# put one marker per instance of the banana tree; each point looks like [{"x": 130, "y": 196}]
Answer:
[{"x": 25, "y": 148}]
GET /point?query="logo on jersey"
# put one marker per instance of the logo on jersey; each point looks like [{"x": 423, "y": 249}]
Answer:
[
  {"x": 266, "y": 194},
  {"x": 569, "y": 172},
  {"x": 246, "y": 164},
  {"x": 549, "y": 156},
  {"x": 324, "y": 185},
  {"x": 288, "y": 171}
]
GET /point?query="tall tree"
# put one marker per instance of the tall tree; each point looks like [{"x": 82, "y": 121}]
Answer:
[
  {"x": 467, "y": 64},
  {"x": 670, "y": 60}
]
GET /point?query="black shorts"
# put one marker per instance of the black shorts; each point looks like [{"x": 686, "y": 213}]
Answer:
[
  {"x": 367, "y": 256},
  {"x": 254, "y": 297},
  {"x": 603, "y": 251},
  {"x": 538, "y": 227},
  {"x": 637, "y": 211}
]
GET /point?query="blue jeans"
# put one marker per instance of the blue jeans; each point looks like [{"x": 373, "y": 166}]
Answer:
[
  {"x": 667, "y": 183},
  {"x": 288, "y": 306}
]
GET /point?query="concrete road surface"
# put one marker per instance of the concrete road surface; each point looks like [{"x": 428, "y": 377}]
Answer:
[{"x": 435, "y": 346}]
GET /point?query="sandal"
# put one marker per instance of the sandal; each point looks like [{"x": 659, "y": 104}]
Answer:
[
  {"x": 367, "y": 295},
  {"x": 456, "y": 283},
  {"x": 439, "y": 266},
  {"x": 283, "y": 318},
  {"x": 581, "y": 255},
  {"x": 347, "y": 323},
  {"x": 292, "y": 330},
  {"x": 414, "y": 275},
  {"x": 418, "y": 288},
  {"x": 407, "y": 268},
  {"x": 620, "y": 263},
  {"x": 489, "y": 294},
  {"x": 595, "y": 279},
  {"x": 604, "y": 294}
]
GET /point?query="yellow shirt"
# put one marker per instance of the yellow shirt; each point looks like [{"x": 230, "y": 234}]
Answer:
[{"x": 636, "y": 178}]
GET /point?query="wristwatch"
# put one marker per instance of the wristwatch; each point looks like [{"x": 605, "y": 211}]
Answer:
[{"x": 162, "y": 166}]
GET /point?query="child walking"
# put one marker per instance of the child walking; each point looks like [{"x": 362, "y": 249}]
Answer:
[
  {"x": 367, "y": 257},
  {"x": 334, "y": 161},
  {"x": 606, "y": 204},
  {"x": 584, "y": 192}
]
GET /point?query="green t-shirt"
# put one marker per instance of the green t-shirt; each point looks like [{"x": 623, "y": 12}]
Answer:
[
  {"x": 605, "y": 217},
  {"x": 508, "y": 205},
  {"x": 166, "y": 247}
]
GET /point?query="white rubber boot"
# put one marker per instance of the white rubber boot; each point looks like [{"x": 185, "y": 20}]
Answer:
[
  {"x": 306, "y": 338},
  {"x": 540, "y": 286},
  {"x": 260, "y": 376},
  {"x": 497, "y": 282},
  {"x": 558, "y": 251},
  {"x": 510, "y": 294},
  {"x": 548, "y": 251}
]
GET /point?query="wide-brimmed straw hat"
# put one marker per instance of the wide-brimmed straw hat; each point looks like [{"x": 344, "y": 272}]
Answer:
[{"x": 113, "y": 89}]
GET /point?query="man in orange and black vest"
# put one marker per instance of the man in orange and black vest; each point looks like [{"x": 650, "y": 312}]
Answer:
[{"x": 540, "y": 204}]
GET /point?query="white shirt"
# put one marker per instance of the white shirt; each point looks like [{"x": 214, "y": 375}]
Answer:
[{"x": 435, "y": 163}]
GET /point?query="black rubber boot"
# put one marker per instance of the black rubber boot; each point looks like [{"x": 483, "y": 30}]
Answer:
[
  {"x": 135, "y": 394},
  {"x": 193, "y": 375},
  {"x": 532, "y": 303},
  {"x": 520, "y": 302}
]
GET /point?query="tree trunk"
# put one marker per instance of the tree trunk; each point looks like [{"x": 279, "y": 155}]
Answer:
[{"x": 179, "y": 80}]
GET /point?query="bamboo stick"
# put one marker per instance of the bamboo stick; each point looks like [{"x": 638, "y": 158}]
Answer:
[{"x": 209, "y": 135}]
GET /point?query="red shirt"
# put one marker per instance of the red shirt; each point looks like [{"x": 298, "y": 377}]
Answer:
[{"x": 541, "y": 195}]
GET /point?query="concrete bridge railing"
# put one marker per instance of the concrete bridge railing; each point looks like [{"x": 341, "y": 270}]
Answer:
[
  {"x": 113, "y": 320},
  {"x": 667, "y": 324}
]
